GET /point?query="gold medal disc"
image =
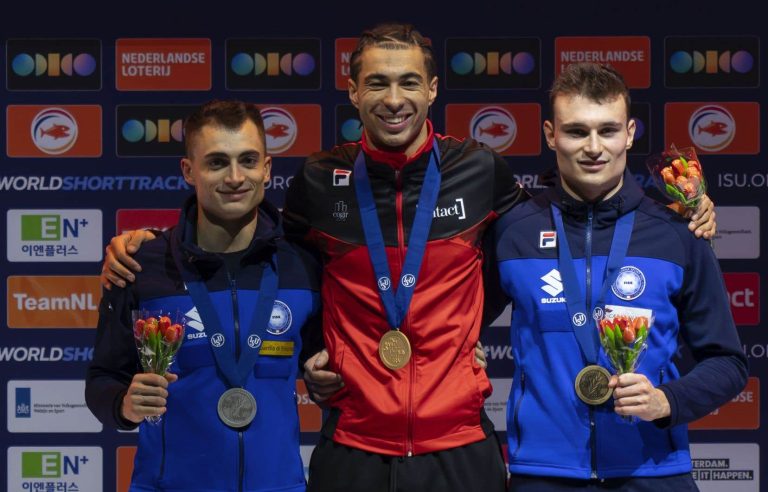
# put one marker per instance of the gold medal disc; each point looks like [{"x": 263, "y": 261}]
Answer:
[
  {"x": 592, "y": 385},
  {"x": 394, "y": 349}
]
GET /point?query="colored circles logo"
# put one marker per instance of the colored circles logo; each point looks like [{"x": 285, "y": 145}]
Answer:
[
  {"x": 54, "y": 131},
  {"x": 711, "y": 62},
  {"x": 352, "y": 130},
  {"x": 711, "y": 128},
  {"x": 495, "y": 127},
  {"x": 162, "y": 130},
  {"x": 244, "y": 64},
  {"x": 53, "y": 64},
  {"x": 279, "y": 128},
  {"x": 492, "y": 62}
]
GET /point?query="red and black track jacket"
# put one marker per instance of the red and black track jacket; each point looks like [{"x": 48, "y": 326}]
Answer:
[{"x": 435, "y": 401}]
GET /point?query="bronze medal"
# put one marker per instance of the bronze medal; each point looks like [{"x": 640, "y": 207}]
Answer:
[
  {"x": 592, "y": 385},
  {"x": 394, "y": 349},
  {"x": 237, "y": 407}
]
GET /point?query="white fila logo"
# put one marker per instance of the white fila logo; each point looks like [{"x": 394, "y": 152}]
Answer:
[
  {"x": 547, "y": 239},
  {"x": 341, "y": 177},
  {"x": 554, "y": 283}
]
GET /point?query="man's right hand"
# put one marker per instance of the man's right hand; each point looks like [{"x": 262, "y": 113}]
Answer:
[
  {"x": 321, "y": 384},
  {"x": 146, "y": 396},
  {"x": 118, "y": 265}
]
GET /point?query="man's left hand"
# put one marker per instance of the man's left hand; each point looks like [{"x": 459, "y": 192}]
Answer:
[
  {"x": 703, "y": 218},
  {"x": 634, "y": 395}
]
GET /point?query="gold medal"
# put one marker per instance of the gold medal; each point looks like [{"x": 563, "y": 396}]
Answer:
[
  {"x": 592, "y": 385},
  {"x": 394, "y": 349}
]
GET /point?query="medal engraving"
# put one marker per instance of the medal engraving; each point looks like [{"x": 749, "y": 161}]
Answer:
[
  {"x": 394, "y": 349},
  {"x": 237, "y": 408},
  {"x": 592, "y": 385}
]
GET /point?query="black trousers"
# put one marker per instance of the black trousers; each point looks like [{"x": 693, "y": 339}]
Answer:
[
  {"x": 474, "y": 467},
  {"x": 673, "y": 483}
]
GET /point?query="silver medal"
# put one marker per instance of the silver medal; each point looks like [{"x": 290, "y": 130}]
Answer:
[{"x": 237, "y": 407}]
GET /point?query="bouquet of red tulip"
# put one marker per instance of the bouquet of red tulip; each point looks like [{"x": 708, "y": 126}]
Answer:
[
  {"x": 624, "y": 339},
  {"x": 158, "y": 339},
  {"x": 677, "y": 174}
]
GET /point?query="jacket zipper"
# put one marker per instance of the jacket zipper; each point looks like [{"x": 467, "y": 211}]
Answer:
[
  {"x": 588, "y": 278},
  {"x": 162, "y": 456},
  {"x": 401, "y": 255},
  {"x": 236, "y": 318},
  {"x": 515, "y": 419}
]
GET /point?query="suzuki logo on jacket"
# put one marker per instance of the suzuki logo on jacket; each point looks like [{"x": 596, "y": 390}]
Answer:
[
  {"x": 455, "y": 210},
  {"x": 553, "y": 286}
]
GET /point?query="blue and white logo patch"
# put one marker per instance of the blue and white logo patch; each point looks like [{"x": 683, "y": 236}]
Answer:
[
  {"x": 630, "y": 283},
  {"x": 579, "y": 319},
  {"x": 254, "y": 341},
  {"x": 384, "y": 283},
  {"x": 280, "y": 319},
  {"x": 408, "y": 280},
  {"x": 217, "y": 340}
]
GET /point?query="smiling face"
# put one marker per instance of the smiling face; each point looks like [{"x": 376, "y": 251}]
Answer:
[
  {"x": 393, "y": 94},
  {"x": 229, "y": 169},
  {"x": 591, "y": 140}
]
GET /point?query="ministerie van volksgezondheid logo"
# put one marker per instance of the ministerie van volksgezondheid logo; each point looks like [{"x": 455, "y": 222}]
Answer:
[
  {"x": 53, "y": 131},
  {"x": 151, "y": 130},
  {"x": 738, "y": 233},
  {"x": 509, "y": 129},
  {"x": 712, "y": 61},
  {"x": 53, "y": 64},
  {"x": 66, "y": 235},
  {"x": 493, "y": 63},
  {"x": 273, "y": 64},
  {"x": 713, "y": 127},
  {"x": 49, "y": 406},
  {"x": 630, "y": 55},
  {"x": 51, "y": 301},
  {"x": 65, "y": 468},
  {"x": 163, "y": 64}
]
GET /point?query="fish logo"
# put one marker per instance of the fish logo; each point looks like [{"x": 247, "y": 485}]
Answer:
[
  {"x": 495, "y": 127},
  {"x": 711, "y": 128},
  {"x": 280, "y": 129},
  {"x": 54, "y": 131}
]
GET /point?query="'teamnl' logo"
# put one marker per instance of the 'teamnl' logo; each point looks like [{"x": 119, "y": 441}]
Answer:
[{"x": 54, "y": 131}]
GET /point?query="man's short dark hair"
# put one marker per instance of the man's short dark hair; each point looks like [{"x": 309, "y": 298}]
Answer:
[
  {"x": 228, "y": 114},
  {"x": 596, "y": 82},
  {"x": 393, "y": 36}
]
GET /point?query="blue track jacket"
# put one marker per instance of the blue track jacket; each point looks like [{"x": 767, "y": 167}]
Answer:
[
  {"x": 551, "y": 432},
  {"x": 191, "y": 449}
]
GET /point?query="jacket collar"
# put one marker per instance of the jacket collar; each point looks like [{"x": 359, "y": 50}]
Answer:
[
  {"x": 398, "y": 160},
  {"x": 626, "y": 199},
  {"x": 268, "y": 229}
]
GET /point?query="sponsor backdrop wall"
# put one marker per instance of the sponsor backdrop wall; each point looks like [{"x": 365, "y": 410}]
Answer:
[{"x": 92, "y": 134}]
